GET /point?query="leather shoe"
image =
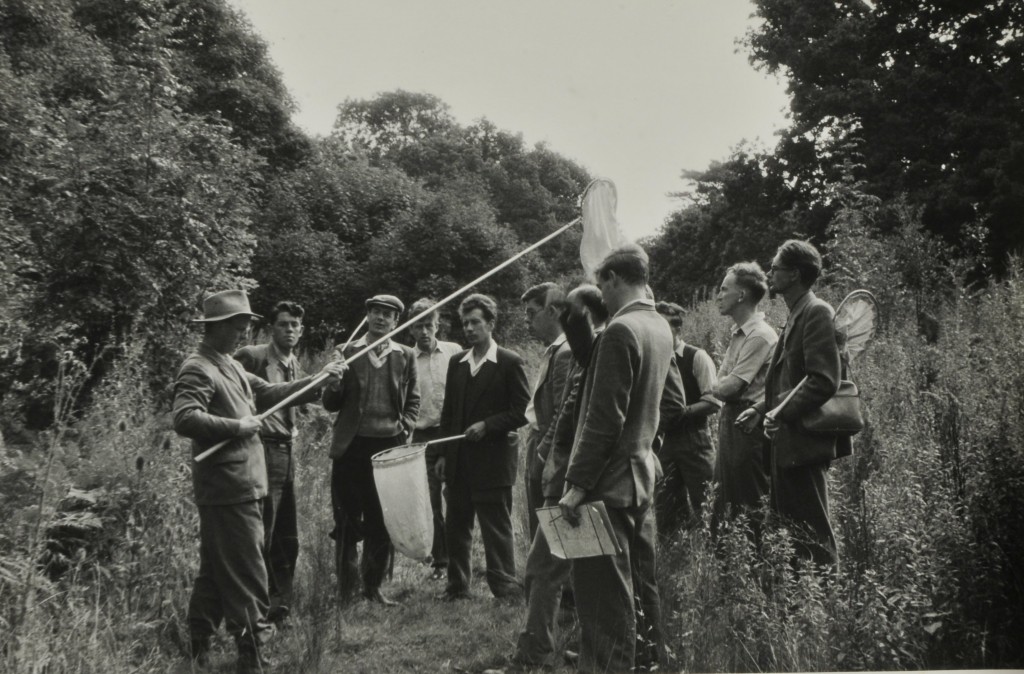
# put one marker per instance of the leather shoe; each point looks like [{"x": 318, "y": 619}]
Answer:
[
  {"x": 199, "y": 652},
  {"x": 452, "y": 596},
  {"x": 378, "y": 598}
]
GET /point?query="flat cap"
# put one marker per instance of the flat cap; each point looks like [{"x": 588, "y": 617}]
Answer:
[{"x": 388, "y": 301}]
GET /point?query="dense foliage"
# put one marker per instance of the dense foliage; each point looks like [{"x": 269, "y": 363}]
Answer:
[
  {"x": 147, "y": 157},
  {"x": 920, "y": 103}
]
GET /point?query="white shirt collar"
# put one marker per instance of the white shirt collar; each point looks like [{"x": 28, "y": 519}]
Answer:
[
  {"x": 386, "y": 348},
  {"x": 475, "y": 365},
  {"x": 559, "y": 341}
]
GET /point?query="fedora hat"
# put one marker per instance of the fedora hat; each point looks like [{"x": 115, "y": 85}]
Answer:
[
  {"x": 225, "y": 304},
  {"x": 387, "y": 301}
]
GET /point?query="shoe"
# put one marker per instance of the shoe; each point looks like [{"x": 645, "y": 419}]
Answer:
[
  {"x": 199, "y": 652},
  {"x": 278, "y": 615},
  {"x": 252, "y": 661},
  {"x": 452, "y": 596},
  {"x": 378, "y": 598},
  {"x": 439, "y": 573}
]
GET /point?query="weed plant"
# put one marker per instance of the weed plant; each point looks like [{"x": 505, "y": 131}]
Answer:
[{"x": 928, "y": 513}]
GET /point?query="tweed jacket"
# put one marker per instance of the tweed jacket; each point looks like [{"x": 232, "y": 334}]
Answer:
[
  {"x": 211, "y": 393},
  {"x": 806, "y": 348},
  {"x": 547, "y": 398},
  {"x": 500, "y": 402},
  {"x": 612, "y": 459},
  {"x": 349, "y": 399}
]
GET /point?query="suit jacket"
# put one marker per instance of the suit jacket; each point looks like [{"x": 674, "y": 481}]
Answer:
[
  {"x": 547, "y": 399},
  {"x": 502, "y": 394},
  {"x": 611, "y": 457},
  {"x": 348, "y": 400},
  {"x": 211, "y": 393},
  {"x": 263, "y": 361},
  {"x": 806, "y": 348}
]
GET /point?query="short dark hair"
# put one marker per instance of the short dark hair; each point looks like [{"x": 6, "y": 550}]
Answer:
[
  {"x": 487, "y": 306},
  {"x": 803, "y": 257},
  {"x": 545, "y": 294},
  {"x": 590, "y": 296},
  {"x": 630, "y": 263},
  {"x": 751, "y": 278},
  {"x": 421, "y": 305},
  {"x": 293, "y": 308},
  {"x": 672, "y": 312}
]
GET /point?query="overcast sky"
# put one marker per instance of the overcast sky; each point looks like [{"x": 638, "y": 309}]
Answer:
[{"x": 635, "y": 91}]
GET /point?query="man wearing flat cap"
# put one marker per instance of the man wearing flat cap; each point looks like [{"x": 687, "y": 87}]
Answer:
[
  {"x": 377, "y": 405},
  {"x": 215, "y": 400}
]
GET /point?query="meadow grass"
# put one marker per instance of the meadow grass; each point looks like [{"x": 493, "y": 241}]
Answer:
[{"x": 928, "y": 513}]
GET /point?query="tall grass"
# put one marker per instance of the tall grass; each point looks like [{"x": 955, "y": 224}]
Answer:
[{"x": 928, "y": 513}]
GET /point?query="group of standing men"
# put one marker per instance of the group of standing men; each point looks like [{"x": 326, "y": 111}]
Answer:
[{"x": 616, "y": 391}]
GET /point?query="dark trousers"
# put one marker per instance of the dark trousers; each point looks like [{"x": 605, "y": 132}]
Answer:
[
  {"x": 438, "y": 549},
  {"x": 606, "y": 592},
  {"x": 741, "y": 467},
  {"x": 232, "y": 580},
  {"x": 493, "y": 511},
  {"x": 545, "y": 577},
  {"x": 280, "y": 522},
  {"x": 534, "y": 478},
  {"x": 800, "y": 496},
  {"x": 358, "y": 517},
  {"x": 687, "y": 460}
]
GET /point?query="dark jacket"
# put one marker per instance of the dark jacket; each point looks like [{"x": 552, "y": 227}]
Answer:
[
  {"x": 348, "y": 399},
  {"x": 806, "y": 348},
  {"x": 212, "y": 392},
  {"x": 501, "y": 396}
]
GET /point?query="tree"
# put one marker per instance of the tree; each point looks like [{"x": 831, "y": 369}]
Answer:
[{"x": 935, "y": 90}]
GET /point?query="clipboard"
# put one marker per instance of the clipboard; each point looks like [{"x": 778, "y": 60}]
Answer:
[{"x": 593, "y": 537}]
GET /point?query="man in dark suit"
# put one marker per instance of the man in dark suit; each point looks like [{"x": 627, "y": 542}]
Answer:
[
  {"x": 485, "y": 397},
  {"x": 543, "y": 303},
  {"x": 377, "y": 405},
  {"x": 806, "y": 348},
  {"x": 612, "y": 460},
  {"x": 275, "y": 362}
]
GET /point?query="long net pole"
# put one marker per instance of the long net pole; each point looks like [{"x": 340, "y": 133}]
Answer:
[{"x": 320, "y": 379}]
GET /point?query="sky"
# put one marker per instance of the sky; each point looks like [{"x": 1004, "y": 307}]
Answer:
[{"x": 635, "y": 91}]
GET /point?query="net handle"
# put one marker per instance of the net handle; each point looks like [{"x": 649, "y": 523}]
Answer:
[{"x": 320, "y": 379}]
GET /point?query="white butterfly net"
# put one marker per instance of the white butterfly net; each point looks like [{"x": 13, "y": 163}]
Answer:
[{"x": 601, "y": 231}]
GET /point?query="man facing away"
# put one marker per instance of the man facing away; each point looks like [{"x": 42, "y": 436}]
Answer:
[
  {"x": 542, "y": 304},
  {"x": 741, "y": 469},
  {"x": 216, "y": 400},
  {"x": 686, "y": 453},
  {"x": 377, "y": 407},
  {"x": 275, "y": 362},
  {"x": 612, "y": 460},
  {"x": 806, "y": 348},
  {"x": 485, "y": 398},
  {"x": 432, "y": 356}
]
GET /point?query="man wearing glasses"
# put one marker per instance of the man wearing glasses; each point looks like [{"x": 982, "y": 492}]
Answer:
[{"x": 806, "y": 349}]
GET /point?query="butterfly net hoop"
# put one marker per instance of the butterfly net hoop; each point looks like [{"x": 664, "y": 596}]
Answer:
[
  {"x": 601, "y": 230},
  {"x": 856, "y": 322}
]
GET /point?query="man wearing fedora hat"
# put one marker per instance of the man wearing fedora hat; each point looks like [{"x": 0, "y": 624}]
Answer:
[
  {"x": 215, "y": 399},
  {"x": 377, "y": 406}
]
